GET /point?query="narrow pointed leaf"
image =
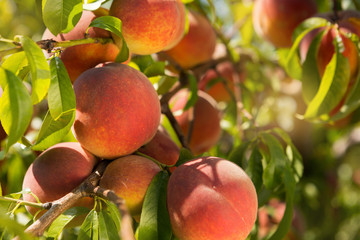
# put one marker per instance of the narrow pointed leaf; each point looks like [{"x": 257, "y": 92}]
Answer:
[
  {"x": 89, "y": 230},
  {"x": 332, "y": 87},
  {"x": 311, "y": 77},
  {"x": 61, "y": 96},
  {"x": 15, "y": 107},
  {"x": 40, "y": 71},
  {"x": 61, "y": 15},
  {"x": 155, "y": 221},
  {"x": 107, "y": 227},
  {"x": 255, "y": 169},
  {"x": 53, "y": 131},
  {"x": 238, "y": 154}
]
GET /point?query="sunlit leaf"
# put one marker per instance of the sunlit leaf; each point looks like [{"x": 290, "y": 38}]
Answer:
[
  {"x": 53, "y": 131},
  {"x": 89, "y": 230},
  {"x": 61, "y": 15},
  {"x": 331, "y": 90},
  {"x": 107, "y": 227},
  {"x": 40, "y": 71},
  {"x": 15, "y": 106}
]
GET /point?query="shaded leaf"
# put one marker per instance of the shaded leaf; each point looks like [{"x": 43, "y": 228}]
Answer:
[
  {"x": 184, "y": 156},
  {"x": 61, "y": 96},
  {"x": 237, "y": 155},
  {"x": 255, "y": 169},
  {"x": 155, "y": 221},
  {"x": 155, "y": 69},
  {"x": 193, "y": 96}
]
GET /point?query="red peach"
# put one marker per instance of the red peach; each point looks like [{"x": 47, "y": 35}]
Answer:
[
  {"x": 211, "y": 198},
  {"x": 129, "y": 177},
  {"x": 197, "y": 46},
  {"x": 276, "y": 20},
  {"x": 150, "y": 26},
  {"x": 117, "y": 110}
]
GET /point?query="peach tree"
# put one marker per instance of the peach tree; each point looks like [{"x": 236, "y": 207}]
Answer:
[{"x": 178, "y": 119}]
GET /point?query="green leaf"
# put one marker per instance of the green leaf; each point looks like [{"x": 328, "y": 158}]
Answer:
[
  {"x": 184, "y": 156},
  {"x": 61, "y": 15},
  {"x": 155, "y": 69},
  {"x": 311, "y": 77},
  {"x": 61, "y": 96},
  {"x": 285, "y": 223},
  {"x": 331, "y": 90},
  {"x": 155, "y": 221},
  {"x": 53, "y": 131},
  {"x": 277, "y": 161},
  {"x": 193, "y": 97},
  {"x": 40, "y": 72},
  {"x": 9, "y": 225},
  {"x": 59, "y": 224},
  {"x": 89, "y": 230},
  {"x": 114, "y": 25},
  {"x": 107, "y": 227},
  {"x": 255, "y": 169},
  {"x": 143, "y": 61},
  {"x": 237, "y": 155},
  {"x": 14, "y": 62},
  {"x": 15, "y": 107},
  {"x": 165, "y": 84},
  {"x": 292, "y": 63},
  {"x": 114, "y": 214}
]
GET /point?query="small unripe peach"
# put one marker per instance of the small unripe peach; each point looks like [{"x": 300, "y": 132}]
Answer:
[
  {"x": 117, "y": 110},
  {"x": 211, "y": 198},
  {"x": 56, "y": 172},
  {"x": 129, "y": 177},
  {"x": 203, "y": 120}
]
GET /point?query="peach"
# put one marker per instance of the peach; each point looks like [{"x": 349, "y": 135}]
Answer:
[
  {"x": 211, "y": 198},
  {"x": 276, "y": 20},
  {"x": 129, "y": 177},
  {"x": 162, "y": 148},
  {"x": 79, "y": 58},
  {"x": 218, "y": 90},
  {"x": 56, "y": 172},
  {"x": 197, "y": 46},
  {"x": 117, "y": 110},
  {"x": 205, "y": 130},
  {"x": 150, "y": 26}
]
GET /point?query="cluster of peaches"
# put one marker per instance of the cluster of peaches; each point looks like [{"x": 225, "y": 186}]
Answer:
[{"x": 118, "y": 119}]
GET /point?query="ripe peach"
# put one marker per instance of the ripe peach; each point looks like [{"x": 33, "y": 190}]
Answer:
[
  {"x": 276, "y": 20},
  {"x": 79, "y": 58},
  {"x": 129, "y": 177},
  {"x": 162, "y": 148},
  {"x": 211, "y": 198},
  {"x": 150, "y": 26},
  {"x": 197, "y": 46},
  {"x": 56, "y": 172},
  {"x": 117, "y": 110},
  {"x": 205, "y": 130},
  {"x": 218, "y": 90}
]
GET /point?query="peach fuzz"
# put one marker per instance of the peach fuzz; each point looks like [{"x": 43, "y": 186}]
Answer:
[
  {"x": 162, "y": 148},
  {"x": 117, "y": 110},
  {"x": 197, "y": 46},
  {"x": 129, "y": 177},
  {"x": 211, "y": 198},
  {"x": 276, "y": 20},
  {"x": 206, "y": 129},
  {"x": 79, "y": 58},
  {"x": 150, "y": 26},
  {"x": 56, "y": 172}
]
